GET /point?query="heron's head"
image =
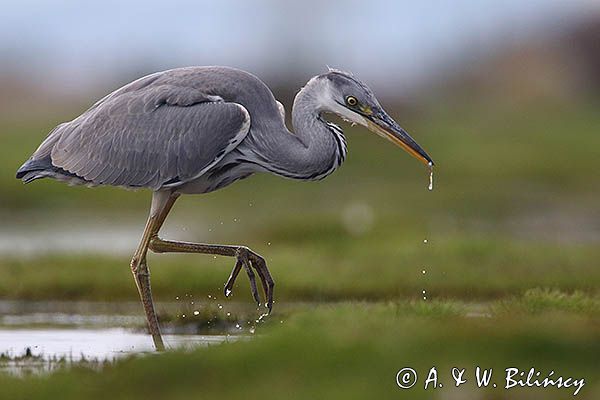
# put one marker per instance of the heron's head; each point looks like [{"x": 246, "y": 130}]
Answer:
[{"x": 353, "y": 101}]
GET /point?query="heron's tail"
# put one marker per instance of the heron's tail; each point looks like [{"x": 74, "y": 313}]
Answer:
[
  {"x": 34, "y": 169},
  {"x": 38, "y": 168}
]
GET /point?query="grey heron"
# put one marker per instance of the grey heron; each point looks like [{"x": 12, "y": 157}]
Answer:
[{"x": 198, "y": 129}]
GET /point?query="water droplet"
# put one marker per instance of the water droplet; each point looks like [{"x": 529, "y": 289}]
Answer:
[
  {"x": 262, "y": 316},
  {"x": 238, "y": 326},
  {"x": 252, "y": 330},
  {"x": 176, "y": 297},
  {"x": 183, "y": 315},
  {"x": 196, "y": 312},
  {"x": 215, "y": 257},
  {"x": 423, "y": 272},
  {"x": 423, "y": 292},
  {"x": 235, "y": 220},
  {"x": 220, "y": 306},
  {"x": 229, "y": 314},
  {"x": 424, "y": 297},
  {"x": 209, "y": 296},
  {"x": 425, "y": 241},
  {"x": 268, "y": 243},
  {"x": 430, "y": 176}
]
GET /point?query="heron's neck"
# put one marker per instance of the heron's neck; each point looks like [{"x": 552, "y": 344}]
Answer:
[{"x": 316, "y": 148}]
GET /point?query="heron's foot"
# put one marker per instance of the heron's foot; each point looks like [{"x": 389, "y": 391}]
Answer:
[{"x": 250, "y": 260}]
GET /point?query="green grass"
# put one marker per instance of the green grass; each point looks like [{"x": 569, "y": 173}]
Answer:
[
  {"x": 376, "y": 268},
  {"x": 538, "y": 301},
  {"x": 348, "y": 350}
]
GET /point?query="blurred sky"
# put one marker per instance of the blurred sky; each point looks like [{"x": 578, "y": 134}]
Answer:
[{"x": 76, "y": 45}]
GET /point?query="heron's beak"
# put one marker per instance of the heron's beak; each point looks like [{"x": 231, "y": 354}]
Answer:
[{"x": 383, "y": 125}]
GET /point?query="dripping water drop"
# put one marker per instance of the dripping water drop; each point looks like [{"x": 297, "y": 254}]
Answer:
[{"x": 430, "y": 176}]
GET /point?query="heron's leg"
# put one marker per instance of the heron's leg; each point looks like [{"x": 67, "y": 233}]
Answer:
[
  {"x": 162, "y": 202},
  {"x": 246, "y": 258}
]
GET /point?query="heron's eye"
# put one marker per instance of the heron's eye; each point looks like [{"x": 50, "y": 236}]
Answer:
[{"x": 351, "y": 101}]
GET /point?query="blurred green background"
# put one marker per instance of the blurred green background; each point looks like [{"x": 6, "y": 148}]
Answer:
[{"x": 505, "y": 98}]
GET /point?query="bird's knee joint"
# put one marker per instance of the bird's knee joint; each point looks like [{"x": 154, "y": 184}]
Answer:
[{"x": 138, "y": 266}]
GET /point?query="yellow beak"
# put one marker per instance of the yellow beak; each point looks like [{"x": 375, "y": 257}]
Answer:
[{"x": 387, "y": 128}]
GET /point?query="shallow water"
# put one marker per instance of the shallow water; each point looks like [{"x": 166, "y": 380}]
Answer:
[
  {"x": 91, "y": 344},
  {"x": 39, "y": 337}
]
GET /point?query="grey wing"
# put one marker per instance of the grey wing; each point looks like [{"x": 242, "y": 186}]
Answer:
[{"x": 155, "y": 137}]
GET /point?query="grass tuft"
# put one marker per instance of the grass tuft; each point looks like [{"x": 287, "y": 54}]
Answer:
[{"x": 544, "y": 300}]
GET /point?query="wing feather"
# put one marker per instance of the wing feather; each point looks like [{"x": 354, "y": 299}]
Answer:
[{"x": 154, "y": 136}]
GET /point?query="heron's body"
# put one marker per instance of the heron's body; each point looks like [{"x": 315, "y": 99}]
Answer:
[
  {"x": 198, "y": 129},
  {"x": 188, "y": 130}
]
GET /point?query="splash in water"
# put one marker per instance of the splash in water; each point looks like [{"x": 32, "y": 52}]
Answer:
[{"x": 261, "y": 318}]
